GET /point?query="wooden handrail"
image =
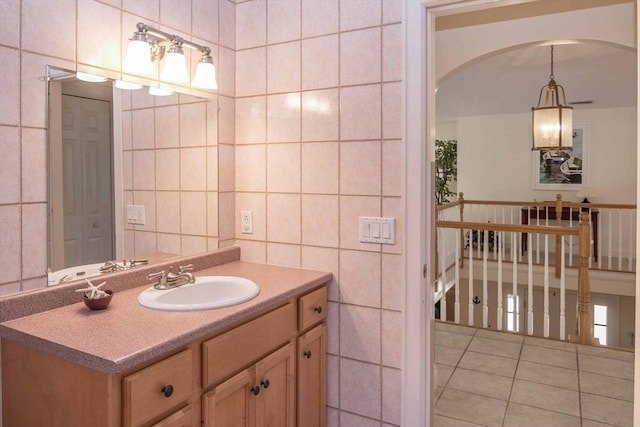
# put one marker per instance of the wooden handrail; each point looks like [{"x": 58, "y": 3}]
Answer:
[
  {"x": 542, "y": 204},
  {"x": 491, "y": 226}
]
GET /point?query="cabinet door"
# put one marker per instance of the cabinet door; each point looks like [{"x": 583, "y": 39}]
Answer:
[
  {"x": 230, "y": 404},
  {"x": 275, "y": 374},
  {"x": 312, "y": 362},
  {"x": 185, "y": 417}
]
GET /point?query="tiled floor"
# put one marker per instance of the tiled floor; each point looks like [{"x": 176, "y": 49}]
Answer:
[{"x": 491, "y": 378}]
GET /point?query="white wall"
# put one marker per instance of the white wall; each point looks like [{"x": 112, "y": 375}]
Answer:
[{"x": 494, "y": 157}]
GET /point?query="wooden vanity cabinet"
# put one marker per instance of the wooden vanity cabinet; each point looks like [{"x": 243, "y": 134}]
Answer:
[
  {"x": 263, "y": 395},
  {"x": 312, "y": 362},
  {"x": 268, "y": 371}
]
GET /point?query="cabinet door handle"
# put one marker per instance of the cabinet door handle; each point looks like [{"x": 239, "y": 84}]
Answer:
[
  {"x": 167, "y": 390},
  {"x": 317, "y": 309},
  {"x": 265, "y": 383},
  {"x": 307, "y": 354},
  {"x": 255, "y": 390}
]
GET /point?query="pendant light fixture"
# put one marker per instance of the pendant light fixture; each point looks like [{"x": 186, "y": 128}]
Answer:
[{"x": 552, "y": 122}]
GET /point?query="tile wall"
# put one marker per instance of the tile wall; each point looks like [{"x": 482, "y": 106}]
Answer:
[
  {"x": 91, "y": 36},
  {"x": 318, "y": 144}
]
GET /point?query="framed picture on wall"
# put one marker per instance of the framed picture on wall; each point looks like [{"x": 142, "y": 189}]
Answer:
[{"x": 563, "y": 169}]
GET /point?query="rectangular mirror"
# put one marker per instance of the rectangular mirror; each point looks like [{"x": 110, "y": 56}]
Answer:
[{"x": 131, "y": 175}]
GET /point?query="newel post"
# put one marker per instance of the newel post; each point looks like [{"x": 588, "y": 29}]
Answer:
[
  {"x": 461, "y": 200},
  {"x": 558, "y": 237},
  {"x": 585, "y": 326}
]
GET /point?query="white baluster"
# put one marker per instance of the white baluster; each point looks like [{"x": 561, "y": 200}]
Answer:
[
  {"x": 610, "y": 233},
  {"x": 630, "y": 240},
  {"x": 600, "y": 241},
  {"x": 457, "y": 281},
  {"x": 530, "y": 291},
  {"x": 514, "y": 279},
  {"x": 619, "y": 239},
  {"x": 485, "y": 282},
  {"x": 495, "y": 220},
  {"x": 470, "y": 320},
  {"x": 538, "y": 236},
  {"x": 571, "y": 237},
  {"x": 499, "y": 312},
  {"x": 546, "y": 286},
  {"x": 562, "y": 296}
]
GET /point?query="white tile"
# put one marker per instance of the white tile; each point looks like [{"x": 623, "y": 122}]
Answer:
[
  {"x": 448, "y": 339},
  {"x": 546, "y": 397},
  {"x": 607, "y": 410},
  {"x": 481, "y": 383},
  {"x": 360, "y": 333},
  {"x": 456, "y": 329},
  {"x": 549, "y": 343},
  {"x": 10, "y": 22},
  {"x": 548, "y": 356},
  {"x": 448, "y": 356},
  {"x": 251, "y": 24},
  {"x": 487, "y": 363},
  {"x": 616, "y": 388},
  {"x": 10, "y": 86},
  {"x": 495, "y": 347},
  {"x": 499, "y": 336},
  {"x": 528, "y": 416},
  {"x": 440, "y": 421},
  {"x": 605, "y": 352},
  {"x": 283, "y": 20},
  {"x": 604, "y": 366},
  {"x": 471, "y": 407},
  {"x": 442, "y": 374},
  {"x": 319, "y": 17},
  {"x": 546, "y": 374}
]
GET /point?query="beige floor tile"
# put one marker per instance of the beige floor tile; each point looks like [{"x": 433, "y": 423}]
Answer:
[
  {"x": 602, "y": 385},
  {"x": 456, "y": 329},
  {"x": 606, "y": 352},
  {"x": 549, "y": 343},
  {"x": 481, "y": 383},
  {"x": 604, "y": 366},
  {"x": 546, "y": 397},
  {"x": 471, "y": 407},
  {"x": 440, "y": 421},
  {"x": 605, "y": 409},
  {"x": 528, "y": 416},
  {"x": 487, "y": 363},
  {"x": 547, "y": 374},
  {"x": 501, "y": 336},
  {"x": 448, "y": 339},
  {"x": 439, "y": 391},
  {"x": 495, "y": 347},
  {"x": 548, "y": 356},
  {"x": 591, "y": 423},
  {"x": 443, "y": 373},
  {"x": 448, "y": 356}
]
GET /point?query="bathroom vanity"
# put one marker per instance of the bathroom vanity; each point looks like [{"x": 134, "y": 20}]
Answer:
[{"x": 259, "y": 363}]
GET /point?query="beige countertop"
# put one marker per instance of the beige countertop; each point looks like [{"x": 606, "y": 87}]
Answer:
[{"x": 127, "y": 334}]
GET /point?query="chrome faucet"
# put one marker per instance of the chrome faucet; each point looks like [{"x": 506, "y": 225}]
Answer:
[{"x": 168, "y": 280}]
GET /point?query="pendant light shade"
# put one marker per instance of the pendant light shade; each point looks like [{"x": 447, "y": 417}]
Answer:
[
  {"x": 552, "y": 123},
  {"x": 205, "y": 77},
  {"x": 138, "y": 59},
  {"x": 175, "y": 66}
]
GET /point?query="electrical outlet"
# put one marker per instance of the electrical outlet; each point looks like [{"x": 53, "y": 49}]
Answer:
[{"x": 246, "y": 220}]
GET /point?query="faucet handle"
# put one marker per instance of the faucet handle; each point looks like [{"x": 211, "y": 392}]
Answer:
[
  {"x": 161, "y": 274},
  {"x": 188, "y": 267}
]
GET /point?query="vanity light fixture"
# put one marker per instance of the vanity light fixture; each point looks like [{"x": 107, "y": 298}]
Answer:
[
  {"x": 553, "y": 122},
  {"x": 149, "y": 44},
  {"x": 91, "y": 78},
  {"x": 121, "y": 84}
]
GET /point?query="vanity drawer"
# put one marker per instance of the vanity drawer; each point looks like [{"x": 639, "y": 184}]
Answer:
[
  {"x": 158, "y": 388},
  {"x": 229, "y": 352},
  {"x": 312, "y": 308}
]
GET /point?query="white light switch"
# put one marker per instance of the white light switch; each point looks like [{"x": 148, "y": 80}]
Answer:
[
  {"x": 377, "y": 230},
  {"x": 135, "y": 214}
]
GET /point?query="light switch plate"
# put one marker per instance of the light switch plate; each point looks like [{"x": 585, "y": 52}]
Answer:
[
  {"x": 135, "y": 214},
  {"x": 377, "y": 230}
]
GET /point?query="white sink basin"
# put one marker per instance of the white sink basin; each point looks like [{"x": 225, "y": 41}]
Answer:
[{"x": 206, "y": 293}]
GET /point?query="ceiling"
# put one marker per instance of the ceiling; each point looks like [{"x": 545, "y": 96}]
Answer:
[{"x": 510, "y": 81}]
